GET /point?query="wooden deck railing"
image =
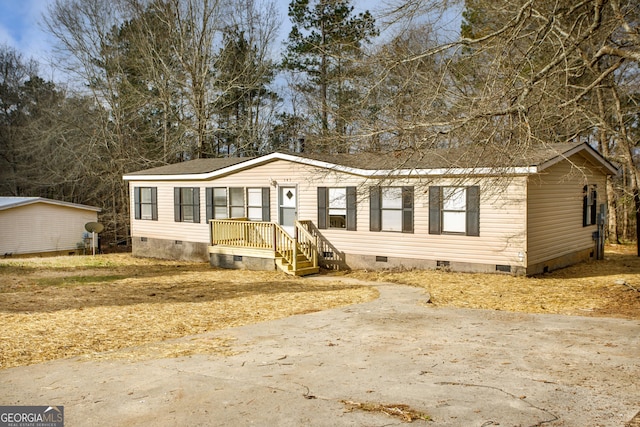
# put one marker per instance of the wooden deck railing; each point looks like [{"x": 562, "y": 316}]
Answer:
[
  {"x": 329, "y": 256},
  {"x": 265, "y": 235},
  {"x": 307, "y": 242}
]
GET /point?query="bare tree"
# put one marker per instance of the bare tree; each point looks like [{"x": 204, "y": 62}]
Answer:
[{"x": 521, "y": 74}]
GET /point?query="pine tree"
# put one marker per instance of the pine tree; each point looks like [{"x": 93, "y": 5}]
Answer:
[{"x": 325, "y": 43}]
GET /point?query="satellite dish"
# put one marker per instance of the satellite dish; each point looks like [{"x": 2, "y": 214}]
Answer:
[{"x": 94, "y": 227}]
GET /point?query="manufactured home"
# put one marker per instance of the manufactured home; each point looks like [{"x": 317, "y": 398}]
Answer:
[
  {"x": 474, "y": 209},
  {"x": 41, "y": 226}
]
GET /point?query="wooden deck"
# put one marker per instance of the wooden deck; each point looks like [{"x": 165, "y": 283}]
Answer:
[{"x": 296, "y": 255}]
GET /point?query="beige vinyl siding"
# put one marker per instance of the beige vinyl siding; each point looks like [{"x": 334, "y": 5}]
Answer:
[
  {"x": 166, "y": 227},
  {"x": 500, "y": 240},
  {"x": 555, "y": 200},
  {"x": 42, "y": 227},
  {"x": 502, "y": 215}
]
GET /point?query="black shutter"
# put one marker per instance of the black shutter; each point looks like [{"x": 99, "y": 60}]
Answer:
[
  {"x": 473, "y": 211},
  {"x": 375, "y": 215},
  {"x": 434, "y": 210},
  {"x": 196, "y": 205},
  {"x": 209, "y": 202},
  {"x": 136, "y": 202},
  {"x": 176, "y": 204},
  {"x": 407, "y": 209},
  {"x": 351, "y": 208},
  {"x": 322, "y": 208},
  {"x": 266, "y": 204},
  {"x": 154, "y": 203}
]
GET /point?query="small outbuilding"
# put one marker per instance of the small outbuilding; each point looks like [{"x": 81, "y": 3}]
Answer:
[
  {"x": 475, "y": 209},
  {"x": 41, "y": 226}
]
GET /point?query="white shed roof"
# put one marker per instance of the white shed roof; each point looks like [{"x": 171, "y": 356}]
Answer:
[{"x": 14, "y": 202}]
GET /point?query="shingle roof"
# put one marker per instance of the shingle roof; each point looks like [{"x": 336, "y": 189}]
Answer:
[
  {"x": 474, "y": 156},
  {"x": 467, "y": 157},
  {"x": 194, "y": 166}
]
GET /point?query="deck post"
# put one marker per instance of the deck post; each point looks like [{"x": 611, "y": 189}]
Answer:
[
  {"x": 275, "y": 237},
  {"x": 295, "y": 252},
  {"x": 295, "y": 246}
]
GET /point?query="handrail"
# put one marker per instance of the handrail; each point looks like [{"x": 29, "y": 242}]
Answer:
[
  {"x": 329, "y": 256},
  {"x": 308, "y": 242},
  {"x": 265, "y": 235}
]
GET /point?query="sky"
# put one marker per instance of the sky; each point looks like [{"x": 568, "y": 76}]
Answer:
[{"x": 20, "y": 27}]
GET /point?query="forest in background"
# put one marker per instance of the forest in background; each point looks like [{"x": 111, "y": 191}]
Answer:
[{"x": 153, "y": 82}]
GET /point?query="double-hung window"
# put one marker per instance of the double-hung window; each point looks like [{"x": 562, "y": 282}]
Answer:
[
  {"x": 258, "y": 204},
  {"x": 337, "y": 208},
  {"x": 146, "y": 203},
  {"x": 454, "y": 210},
  {"x": 217, "y": 203},
  {"x": 589, "y": 205},
  {"x": 186, "y": 204},
  {"x": 391, "y": 209},
  {"x": 238, "y": 202}
]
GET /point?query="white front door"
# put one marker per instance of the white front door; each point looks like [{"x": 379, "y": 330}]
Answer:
[{"x": 288, "y": 207}]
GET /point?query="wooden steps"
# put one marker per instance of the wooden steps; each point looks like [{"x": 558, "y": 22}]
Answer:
[{"x": 304, "y": 266}]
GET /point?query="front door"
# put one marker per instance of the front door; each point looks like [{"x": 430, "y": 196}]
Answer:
[{"x": 288, "y": 207}]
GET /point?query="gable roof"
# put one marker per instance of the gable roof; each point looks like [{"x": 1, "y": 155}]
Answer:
[
  {"x": 14, "y": 202},
  {"x": 469, "y": 160},
  {"x": 196, "y": 166}
]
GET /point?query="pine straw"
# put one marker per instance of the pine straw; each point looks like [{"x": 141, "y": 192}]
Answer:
[
  {"x": 592, "y": 288},
  {"x": 398, "y": 410},
  {"x": 117, "y": 306}
]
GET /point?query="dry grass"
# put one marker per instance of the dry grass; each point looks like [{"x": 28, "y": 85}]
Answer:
[
  {"x": 397, "y": 410},
  {"x": 118, "y": 306},
  {"x": 587, "y": 289},
  {"x": 59, "y": 307}
]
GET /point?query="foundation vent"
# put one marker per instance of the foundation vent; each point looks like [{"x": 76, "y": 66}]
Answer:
[
  {"x": 443, "y": 264},
  {"x": 503, "y": 268}
]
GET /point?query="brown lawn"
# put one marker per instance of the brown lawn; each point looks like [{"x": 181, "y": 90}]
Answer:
[
  {"x": 52, "y": 308},
  {"x": 587, "y": 289},
  {"x": 118, "y": 306}
]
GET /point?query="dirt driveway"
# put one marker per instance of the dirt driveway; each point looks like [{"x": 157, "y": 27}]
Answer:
[{"x": 360, "y": 364}]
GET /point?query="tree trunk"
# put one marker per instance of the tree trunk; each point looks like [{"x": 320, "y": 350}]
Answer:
[{"x": 636, "y": 204}]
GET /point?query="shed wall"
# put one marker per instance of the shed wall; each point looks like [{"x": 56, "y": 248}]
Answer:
[{"x": 42, "y": 227}]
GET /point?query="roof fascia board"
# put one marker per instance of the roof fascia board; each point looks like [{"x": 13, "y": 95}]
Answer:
[
  {"x": 596, "y": 156},
  {"x": 337, "y": 168},
  {"x": 526, "y": 170}
]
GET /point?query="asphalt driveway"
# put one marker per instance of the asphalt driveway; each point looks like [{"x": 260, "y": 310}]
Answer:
[{"x": 462, "y": 367}]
